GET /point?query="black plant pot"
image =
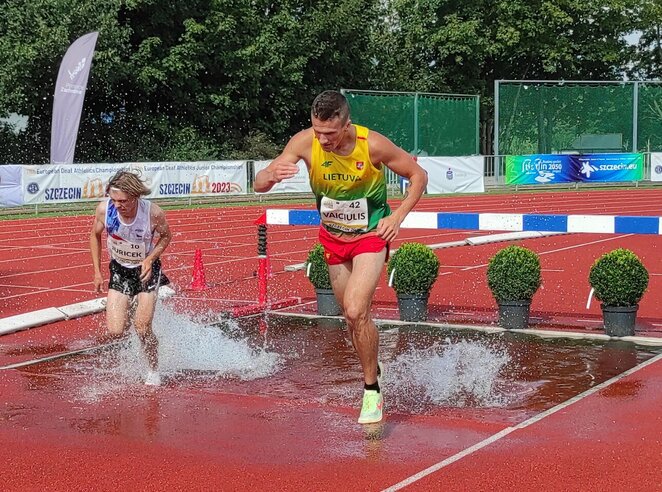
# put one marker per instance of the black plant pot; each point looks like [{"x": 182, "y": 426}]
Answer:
[
  {"x": 619, "y": 321},
  {"x": 514, "y": 315},
  {"x": 413, "y": 307},
  {"x": 327, "y": 304}
]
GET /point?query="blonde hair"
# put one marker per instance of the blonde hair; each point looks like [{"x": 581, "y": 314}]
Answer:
[{"x": 128, "y": 182}]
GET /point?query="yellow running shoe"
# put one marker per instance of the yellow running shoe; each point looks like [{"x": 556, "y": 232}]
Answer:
[{"x": 371, "y": 411}]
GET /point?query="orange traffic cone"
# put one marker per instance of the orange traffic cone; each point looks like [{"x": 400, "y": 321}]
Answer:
[{"x": 198, "y": 282}]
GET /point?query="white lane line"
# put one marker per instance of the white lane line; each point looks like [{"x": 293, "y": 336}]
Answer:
[
  {"x": 44, "y": 290},
  {"x": 499, "y": 435},
  {"x": 574, "y": 246},
  {"x": 58, "y": 356},
  {"x": 54, "y": 255}
]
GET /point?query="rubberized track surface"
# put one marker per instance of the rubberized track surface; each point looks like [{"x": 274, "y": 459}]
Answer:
[{"x": 182, "y": 437}]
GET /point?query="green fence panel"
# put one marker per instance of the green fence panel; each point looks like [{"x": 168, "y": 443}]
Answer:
[
  {"x": 447, "y": 126},
  {"x": 391, "y": 115},
  {"x": 649, "y": 118},
  {"x": 564, "y": 117},
  {"x": 420, "y": 123}
]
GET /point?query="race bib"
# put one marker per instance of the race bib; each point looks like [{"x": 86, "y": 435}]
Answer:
[
  {"x": 127, "y": 252},
  {"x": 345, "y": 215}
]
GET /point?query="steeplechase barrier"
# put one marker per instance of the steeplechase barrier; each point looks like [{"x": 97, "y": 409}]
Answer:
[
  {"x": 591, "y": 224},
  {"x": 523, "y": 225}
]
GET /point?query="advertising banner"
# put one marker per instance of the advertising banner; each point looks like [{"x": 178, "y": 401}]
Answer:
[
  {"x": 656, "y": 166},
  {"x": 69, "y": 96},
  {"x": 539, "y": 169},
  {"x": 11, "y": 189},
  {"x": 454, "y": 174},
  {"x": 298, "y": 184},
  {"x": 609, "y": 167},
  {"x": 180, "y": 179},
  {"x": 78, "y": 182}
]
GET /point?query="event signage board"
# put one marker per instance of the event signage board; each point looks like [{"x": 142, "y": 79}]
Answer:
[
  {"x": 10, "y": 186},
  {"x": 70, "y": 88},
  {"x": 609, "y": 167},
  {"x": 539, "y": 169},
  {"x": 452, "y": 174},
  {"x": 561, "y": 168},
  {"x": 300, "y": 183},
  {"x": 78, "y": 182},
  {"x": 656, "y": 166}
]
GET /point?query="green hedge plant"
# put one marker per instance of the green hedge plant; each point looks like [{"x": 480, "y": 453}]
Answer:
[
  {"x": 513, "y": 274},
  {"x": 619, "y": 278},
  {"x": 416, "y": 268},
  {"x": 319, "y": 270}
]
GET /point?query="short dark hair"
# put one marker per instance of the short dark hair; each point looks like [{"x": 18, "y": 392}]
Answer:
[{"x": 329, "y": 105}]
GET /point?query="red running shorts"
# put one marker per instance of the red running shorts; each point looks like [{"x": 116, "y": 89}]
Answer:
[{"x": 337, "y": 251}]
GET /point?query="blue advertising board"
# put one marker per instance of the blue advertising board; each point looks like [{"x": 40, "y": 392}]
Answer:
[
  {"x": 539, "y": 169},
  {"x": 609, "y": 167}
]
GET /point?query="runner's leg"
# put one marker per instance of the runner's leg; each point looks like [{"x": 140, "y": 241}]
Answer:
[
  {"x": 357, "y": 286},
  {"x": 143, "y": 323},
  {"x": 117, "y": 313}
]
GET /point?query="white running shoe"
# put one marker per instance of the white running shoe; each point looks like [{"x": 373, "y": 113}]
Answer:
[
  {"x": 371, "y": 411},
  {"x": 153, "y": 378}
]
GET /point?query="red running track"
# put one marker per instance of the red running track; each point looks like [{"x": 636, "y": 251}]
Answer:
[{"x": 149, "y": 441}]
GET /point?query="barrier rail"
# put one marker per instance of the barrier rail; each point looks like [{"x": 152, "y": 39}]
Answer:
[{"x": 594, "y": 224}]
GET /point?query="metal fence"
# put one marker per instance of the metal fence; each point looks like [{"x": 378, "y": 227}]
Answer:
[
  {"x": 557, "y": 117},
  {"x": 421, "y": 123}
]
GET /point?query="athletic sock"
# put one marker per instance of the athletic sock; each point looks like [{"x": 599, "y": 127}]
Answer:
[{"x": 374, "y": 387}]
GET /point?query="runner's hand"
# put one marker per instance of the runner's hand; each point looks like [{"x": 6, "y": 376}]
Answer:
[
  {"x": 98, "y": 283},
  {"x": 388, "y": 228},
  {"x": 281, "y": 170},
  {"x": 146, "y": 270}
]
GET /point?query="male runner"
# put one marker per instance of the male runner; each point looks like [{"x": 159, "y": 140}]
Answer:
[
  {"x": 131, "y": 224},
  {"x": 346, "y": 165}
]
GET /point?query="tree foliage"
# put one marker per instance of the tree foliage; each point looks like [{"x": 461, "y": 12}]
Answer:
[{"x": 212, "y": 78}]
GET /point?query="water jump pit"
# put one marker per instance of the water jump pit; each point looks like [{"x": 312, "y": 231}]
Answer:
[
  {"x": 305, "y": 363},
  {"x": 237, "y": 395}
]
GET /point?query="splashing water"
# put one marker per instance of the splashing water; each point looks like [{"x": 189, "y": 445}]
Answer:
[
  {"x": 188, "y": 352},
  {"x": 459, "y": 374}
]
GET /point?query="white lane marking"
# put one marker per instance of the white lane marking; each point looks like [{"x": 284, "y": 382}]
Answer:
[
  {"x": 574, "y": 246},
  {"x": 58, "y": 356},
  {"x": 43, "y": 290},
  {"x": 499, "y": 435}
]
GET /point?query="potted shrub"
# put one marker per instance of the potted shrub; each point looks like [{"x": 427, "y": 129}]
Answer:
[
  {"x": 318, "y": 273},
  {"x": 620, "y": 280},
  {"x": 413, "y": 268},
  {"x": 513, "y": 276}
]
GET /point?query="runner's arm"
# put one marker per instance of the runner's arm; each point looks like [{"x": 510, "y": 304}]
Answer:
[
  {"x": 382, "y": 150},
  {"x": 285, "y": 165},
  {"x": 95, "y": 245},
  {"x": 162, "y": 227}
]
